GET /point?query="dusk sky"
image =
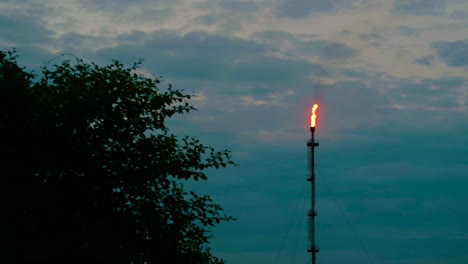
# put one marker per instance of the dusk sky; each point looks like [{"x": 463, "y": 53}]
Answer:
[{"x": 391, "y": 80}]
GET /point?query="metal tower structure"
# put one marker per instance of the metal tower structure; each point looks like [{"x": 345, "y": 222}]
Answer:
[{"x": 311, "y": 145}]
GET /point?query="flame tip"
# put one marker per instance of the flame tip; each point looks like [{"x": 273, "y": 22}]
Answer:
[{"x": 313, "y": 116}]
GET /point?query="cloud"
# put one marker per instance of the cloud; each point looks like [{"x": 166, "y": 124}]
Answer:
[
  {"x": 459, "y": 15},
  {"x": 329, "y": 49},
  {"x": 454, "y": 53},
  {"x": 78, "y": 43},
  {"x": 222, "y": 23},
  {"x": 133, "y": 37},
  {"x": 273, "y": 35},
  {"x": 408, "y": 31},
  {"x": 228, "y": 15},
  {"x": 303, "y": 8},
  {"x": 201, "y": 55},
  {"x": 325, "y": 49},
  {"x": 123, "y": 5},
  {"x": 426, "y": 60},
  {"x": 239, "y": 6},
  {"x": 370, "y": 36},
  {"x": 420, "y": 7},
  {"x": 230, "y": 7},
  {"x": 18, "y": 28},
  {"x": 208, "y": 19}
]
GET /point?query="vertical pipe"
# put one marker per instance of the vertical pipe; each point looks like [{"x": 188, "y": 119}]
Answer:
[
  {"x": 312, "y": 180},
  {"x": 312, "y": 144}
]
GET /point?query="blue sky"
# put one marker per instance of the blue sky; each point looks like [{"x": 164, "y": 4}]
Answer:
[{"x": 390, "y": 78}]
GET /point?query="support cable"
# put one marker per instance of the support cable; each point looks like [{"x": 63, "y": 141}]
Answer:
[
  {"x": 292, "y": 217},
  {"x": 300, "y": 225},
  {"x": 348, "y": 221}
]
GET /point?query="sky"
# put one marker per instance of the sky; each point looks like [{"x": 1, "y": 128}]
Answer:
[{"x": 391, "y": 80}]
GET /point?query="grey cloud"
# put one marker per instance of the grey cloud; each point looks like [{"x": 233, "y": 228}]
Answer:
[
  {"x": 264, "y": 68},
  {"x": 76, "y": 42},
  {"x": 398, "y": 144},
  {"x": 114, "y": 5},
  {"x": 346, "y": 32},
  {"x": 417, "y": 95},
  {"x": 374, "y": 39},
  {"x": 303, "y": 8},
  {"x": 16, "y": 1},
  {"x": 454, "y": 53},
  {"x": 420, "y": 7},
  {"x": 439, "y": 85},
  {"x": 362, "y": 73},
  {"x": 459, "y": 14},
  {"x": 230, "y": 15},
  {"x": 408, "y": 31},
  {"x": 370, "y": 36},
  {"x": 198, "y": 55},
  {"x": 274, "y": 36},
  {"x": 323, "y": 48},
  {"x": 203, "y": 45},
  {"x": 152, "y": 10},
  {"x": 426, "y": 60},
  {"x": 328, "y": 49},
  {"x": 239, "y": 6},
  {"x": 231, "y": 24},
  {"x": 348, "y": 98},
  {"x": 230, "y": 5},
  {"x": 226, "y": 24},
  {"x": 207, "y": 19},
  {"x": 157, "y": 14},
  {"x": 32, "y": 8},
  {"x": 23, "y": 29},
  {"x": 134, "y": 36}
]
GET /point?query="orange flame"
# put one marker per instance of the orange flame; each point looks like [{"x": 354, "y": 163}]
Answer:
[{"x": 313, "y": 116}]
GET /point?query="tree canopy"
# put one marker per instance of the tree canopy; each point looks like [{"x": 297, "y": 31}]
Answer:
[{"x": 92, "y": 171}]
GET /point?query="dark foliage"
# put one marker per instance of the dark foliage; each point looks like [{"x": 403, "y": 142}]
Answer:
[{"x": 92, "y": 173}]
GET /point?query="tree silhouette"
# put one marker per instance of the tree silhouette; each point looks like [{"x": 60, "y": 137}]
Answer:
[{"x": 92, "y": 171}]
